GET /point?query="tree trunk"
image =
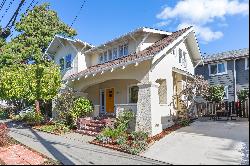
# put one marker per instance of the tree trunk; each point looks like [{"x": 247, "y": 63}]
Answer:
[{"x": 37, "y": 106}]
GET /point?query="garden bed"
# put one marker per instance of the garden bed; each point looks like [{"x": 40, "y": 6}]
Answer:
[
  {"x": 150, "y": 140},
  {"x": 52, "y": 129}
]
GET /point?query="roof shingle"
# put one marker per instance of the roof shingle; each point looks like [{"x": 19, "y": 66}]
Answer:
[{"x": 233, "y": 54}]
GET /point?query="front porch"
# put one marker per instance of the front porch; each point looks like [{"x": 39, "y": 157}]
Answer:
[{"x": 113, "y": 96}]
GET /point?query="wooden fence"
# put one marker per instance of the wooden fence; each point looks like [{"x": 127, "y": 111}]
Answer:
[{"x": 237, "y": 109}]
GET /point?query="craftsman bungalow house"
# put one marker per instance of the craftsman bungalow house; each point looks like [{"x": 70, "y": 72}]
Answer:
[{"x": 140, "y": 70}]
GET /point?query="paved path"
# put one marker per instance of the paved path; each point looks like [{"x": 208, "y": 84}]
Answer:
[
  {"x": 69, "y": 151},
  {"x": 205, "y": 142},
  {"x": 19, "y": 155}
]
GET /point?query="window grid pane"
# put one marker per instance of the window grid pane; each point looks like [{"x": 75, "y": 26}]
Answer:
[
  {"x": 68, "y": 61},
  {"x": 125, "y": 50},
  {"x": 115, "y": 53},
  {"x": 213, "y": 69},
  {"x": 221, "y": 68}
]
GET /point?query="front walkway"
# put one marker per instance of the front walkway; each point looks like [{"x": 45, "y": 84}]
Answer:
[
  {"x": 205, "y": 142},
  {"x": 73, "y": 148}
]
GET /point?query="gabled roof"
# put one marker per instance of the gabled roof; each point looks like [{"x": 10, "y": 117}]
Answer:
[
  {"x": 148, "y": 53},
  {"x": 61, "y": 37},
  {"x": 142, "y": 29},
  {"x": 233, "y": 54}
]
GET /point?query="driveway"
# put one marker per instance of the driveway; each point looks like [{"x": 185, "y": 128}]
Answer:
[
  {"x": 73, "y": 148},
  {"x": 205, "y": 142}
]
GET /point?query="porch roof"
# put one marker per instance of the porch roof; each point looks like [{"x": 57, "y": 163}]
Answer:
[{"x": 143, "y": 55}]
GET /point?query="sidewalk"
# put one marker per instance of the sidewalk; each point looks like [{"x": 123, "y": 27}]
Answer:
[{"x": 70, "y": 151}]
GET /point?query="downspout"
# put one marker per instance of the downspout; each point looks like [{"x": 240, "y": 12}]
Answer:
[{"x": 235, "y": 94}]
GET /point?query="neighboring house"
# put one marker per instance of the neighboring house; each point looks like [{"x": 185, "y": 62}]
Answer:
[
  {"x": 230, "y": 69},
  {"x": 140, "y": 70}
]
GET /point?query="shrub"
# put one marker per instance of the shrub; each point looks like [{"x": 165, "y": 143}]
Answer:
[
  {"x": 3, "y": 134},
  {"x": 81, "y": 107},
  {"x": 124, "y": 118},
  {"x": 33, "y": 118},
  {"x": 3, "y": 114},
  {"x": 103, "y": 139},
  {"x": 184, "y": 122},
  {"x": 58, "y": 128},
  {"x": 121, "y": 140},
  {"x": 63, "y": 105},
  {"x": 243, "y": 94},
  {"x": 113, "y": 133},
  {"x": 139, "y": 136}
]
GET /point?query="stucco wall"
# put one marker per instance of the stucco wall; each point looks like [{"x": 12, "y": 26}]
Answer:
[{"x": 120, "y": 88}]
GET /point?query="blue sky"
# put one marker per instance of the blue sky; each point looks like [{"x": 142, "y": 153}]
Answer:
[{"x": 220, "y": 24}]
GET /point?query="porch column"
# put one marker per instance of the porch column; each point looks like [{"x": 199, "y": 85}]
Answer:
[{"x": 144, "y": 117}]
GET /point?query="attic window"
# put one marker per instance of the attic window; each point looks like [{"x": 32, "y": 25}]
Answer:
[
  {"x": 61, "y": 61},
  {"x": 68, "y": 61}
]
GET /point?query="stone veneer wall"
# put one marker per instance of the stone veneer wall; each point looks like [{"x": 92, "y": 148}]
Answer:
[{"x": 143, "y": 116}]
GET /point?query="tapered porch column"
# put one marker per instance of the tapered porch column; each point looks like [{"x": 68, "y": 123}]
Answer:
[{"x": 144, "y": 107}]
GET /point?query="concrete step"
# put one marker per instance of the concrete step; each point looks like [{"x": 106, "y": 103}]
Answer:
[{"x": 86, "y": 132}]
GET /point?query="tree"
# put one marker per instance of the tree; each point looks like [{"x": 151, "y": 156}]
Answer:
[
  {"x": 216, "y": 93},
  {"x": 32, "y": 83},
  {"x": 36, "y": 29},
  {"x": 196, "y": 86}
]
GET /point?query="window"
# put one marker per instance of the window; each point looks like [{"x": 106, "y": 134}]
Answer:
[
  {"x": 226, "y": 92},
  {"x": 68, "y": 61},
  {"x": 115, "y": 52},
  {"x": 180, "y": 55},
  {"x": 121, "y": 51},
  {"x": 101, "y": 59},
  {"x": 61, "y": 61},
  {"x": 217, "y": 69},
  {"x": 110, "y": 55},
  {"x": 133, "y": 94},
  {"x": 125, "y": 49},
  {"x": 105, "y": 55},
  {"x": 173, "y": 51},
  {"x": 246, "y": 63},
  {"x": 162, "y": 91}
]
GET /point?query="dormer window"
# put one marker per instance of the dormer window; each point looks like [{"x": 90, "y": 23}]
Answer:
[
  {"x": 115, "y": 53},
  {"x": 110, "y": 55},
  {"x": 61, "y": 61},
  {"x": 125, "y": 49},
  {"x": 68, "y": 61},
  {"x": 105, "y": 55},
  {"x": 121, "y": 51}
]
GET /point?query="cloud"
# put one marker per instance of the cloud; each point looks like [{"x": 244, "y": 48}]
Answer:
[
  {"x": 200, "y": 13},
  {"x": 162, "y": 23}
]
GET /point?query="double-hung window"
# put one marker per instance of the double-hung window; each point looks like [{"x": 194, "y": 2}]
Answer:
[
  {"x": 121, "y": 51},
  {"x": 218, "y": 69},
  {"x": 133, "y": 94},
  {"x": 61, "y": 61},
  {"x": 115, "y": 53},
  {"x": 68, "y": 61},
  {"x": 246, "y": 63},
  {"x": 110, "y": 55},
  {"x": 125, "y": 49},
  {"x": 226, "y": 92}
]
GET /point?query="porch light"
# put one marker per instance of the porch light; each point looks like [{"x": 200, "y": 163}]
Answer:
[
  {"x": 112, "y": 70},
  {"x": 136, "y": 64},
  {"x": 86, "y": 76},
  {"x": 102, "y": 72},
  {"x": 123, "y": 67},
  {"x": 93, "y": 74},
  {"x": 78, "y": 78}
]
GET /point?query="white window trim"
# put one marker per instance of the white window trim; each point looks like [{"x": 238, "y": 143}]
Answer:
[
  {"x": 226, "y": 97},
  {"x": 128, "y": 93},
  {"x": 225, "y": 65},
  {"x": 246, "y": 60}
]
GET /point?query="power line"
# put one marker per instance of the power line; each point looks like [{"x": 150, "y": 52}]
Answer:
[
  {"x": 6, "y": 10},
  {"x": 78, "y": 13},
  {"x": 13, "y": 18},
  {"x": 2, "y": 4}
]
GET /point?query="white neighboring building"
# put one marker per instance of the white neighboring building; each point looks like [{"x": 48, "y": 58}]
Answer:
[{"x": 140, "y": 70}]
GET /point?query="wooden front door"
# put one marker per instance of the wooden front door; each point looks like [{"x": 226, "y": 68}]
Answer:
[{"x": 110, "y": 100}]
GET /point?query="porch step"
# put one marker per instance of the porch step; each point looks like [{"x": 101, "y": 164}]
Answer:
[
  {"x": 90, "y": 128},
  {"x": 86, "y": 132}
]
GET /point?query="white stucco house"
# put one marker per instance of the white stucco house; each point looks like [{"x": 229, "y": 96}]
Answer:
[{"x": 140, "y": 70}]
